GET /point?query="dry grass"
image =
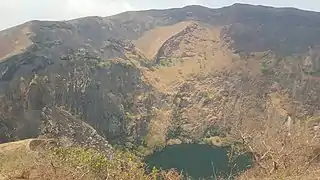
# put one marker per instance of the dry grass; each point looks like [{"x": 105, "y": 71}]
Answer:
[
  {"x": 75, "y": 163},
  {"x": 18, "y": 160},
  {"x": 280, "y": 153},
  {"x": 150, "y": 42},
  {"x": 205, "y": 53},
  {"x": 14, "y": 40}
]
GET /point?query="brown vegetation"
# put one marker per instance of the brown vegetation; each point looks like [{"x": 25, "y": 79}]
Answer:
[
  {"x": 236, "y": 71},
  {"x": 280, "y": 152},
  {"x": 76, "y": 163}
]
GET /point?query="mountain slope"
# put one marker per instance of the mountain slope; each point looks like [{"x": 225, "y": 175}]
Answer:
[
  {"x": 157, "y": 77},
  {"x": 190, "y": 40}
]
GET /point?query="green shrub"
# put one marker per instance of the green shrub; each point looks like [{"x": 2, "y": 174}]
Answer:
[
  {"x": 116, "y": 165},
  {"x": 119, "y": 164}
]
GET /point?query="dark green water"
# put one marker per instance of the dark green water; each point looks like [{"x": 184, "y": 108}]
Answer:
[{"x": 198, "y": 161}]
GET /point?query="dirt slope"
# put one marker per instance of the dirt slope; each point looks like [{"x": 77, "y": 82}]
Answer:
[
  {"x": 14, "y": 40},
  {"x": 151, "y": 41}
]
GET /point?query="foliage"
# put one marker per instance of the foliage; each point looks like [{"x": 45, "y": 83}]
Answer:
[
  {"x": 168, "y": 62},
  {"x": 313, "y": 73},
  {"x": 143, "y": 151},
  {"x": 174, "y": 132},
  {"x": 263, "y": 68},
  {"x": 115, "y": 165},
  {"x": 104, "y": 64},
  {"x": 216, "y": 131},
  {"x": 213, "y": 141},
  {"x": 155, "y": 141}
]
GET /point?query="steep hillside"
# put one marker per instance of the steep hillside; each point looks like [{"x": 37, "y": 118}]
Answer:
[
  {"x": 153, "y": 78},
  {"x": 14, "y": 40}
]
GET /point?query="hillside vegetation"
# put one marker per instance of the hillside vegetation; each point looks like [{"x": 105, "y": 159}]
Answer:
[
  {"x": 242, "y": 76},
  {"x": 45, "y": 160}
]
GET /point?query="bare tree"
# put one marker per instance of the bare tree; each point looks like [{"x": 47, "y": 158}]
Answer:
[{"x": 279, "y": 151}]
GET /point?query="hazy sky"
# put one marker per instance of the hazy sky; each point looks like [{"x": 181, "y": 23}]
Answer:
[{"x": 13, "y": 12}]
